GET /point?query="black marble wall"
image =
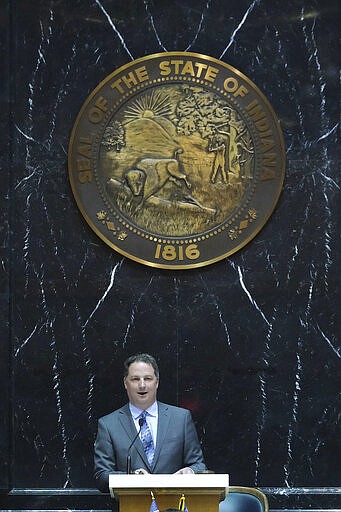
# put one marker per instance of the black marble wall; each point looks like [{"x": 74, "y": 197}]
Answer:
[{"x": 250, "y": 344}]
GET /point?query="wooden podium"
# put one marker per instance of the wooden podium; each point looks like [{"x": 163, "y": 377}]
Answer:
[{"x": 202, "y": 491}]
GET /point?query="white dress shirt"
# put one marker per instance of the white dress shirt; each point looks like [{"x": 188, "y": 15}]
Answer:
[{"x": 151, "y": 418}]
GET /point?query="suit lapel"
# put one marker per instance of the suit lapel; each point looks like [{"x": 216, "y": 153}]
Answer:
[
  {"x": 129, "y": 427},
  {"x": 162, "y": 428}
]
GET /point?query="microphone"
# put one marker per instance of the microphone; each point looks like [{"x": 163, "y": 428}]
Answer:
[{"x": 141, "y": 421}]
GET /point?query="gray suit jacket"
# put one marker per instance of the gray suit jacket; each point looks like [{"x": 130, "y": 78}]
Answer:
[{"x": 177, "y": 444}]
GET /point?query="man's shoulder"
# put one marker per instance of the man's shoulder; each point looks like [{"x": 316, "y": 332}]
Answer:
[
  {"x": 112, "y": 416},
  {"x": 173, "y": 409}
]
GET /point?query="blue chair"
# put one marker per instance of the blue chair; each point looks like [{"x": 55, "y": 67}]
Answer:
[{"x": 244, "y": 499}]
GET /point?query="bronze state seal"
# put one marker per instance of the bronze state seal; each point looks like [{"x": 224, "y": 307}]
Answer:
[{"x": 176, "y": 160}]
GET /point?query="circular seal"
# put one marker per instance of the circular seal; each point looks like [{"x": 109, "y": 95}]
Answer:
[{"x": 176, "y": 160}]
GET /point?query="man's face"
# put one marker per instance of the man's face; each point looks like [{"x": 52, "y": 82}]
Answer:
[{"x": 141, "y": 385}]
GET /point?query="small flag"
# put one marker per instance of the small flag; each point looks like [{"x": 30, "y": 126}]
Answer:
[
  {"x": 153, "y": 505},
  {"x": 182, "y": 504}
]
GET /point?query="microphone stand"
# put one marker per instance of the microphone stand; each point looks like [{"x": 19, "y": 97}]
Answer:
[{"x": 141, "y": 421}]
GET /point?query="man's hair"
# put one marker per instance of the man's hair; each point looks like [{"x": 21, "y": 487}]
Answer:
[
  {"x": 170, "y": 510},
  {"x": 141, "y": 358}
]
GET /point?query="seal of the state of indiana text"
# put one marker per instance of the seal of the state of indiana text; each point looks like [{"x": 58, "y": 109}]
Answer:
[{"x": 176, "y": 160}]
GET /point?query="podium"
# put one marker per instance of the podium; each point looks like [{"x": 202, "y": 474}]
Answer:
[{"x": 202, "y": 491}]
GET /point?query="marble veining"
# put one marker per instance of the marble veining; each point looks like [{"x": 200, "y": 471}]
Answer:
[{"x": 250, "y": 344}]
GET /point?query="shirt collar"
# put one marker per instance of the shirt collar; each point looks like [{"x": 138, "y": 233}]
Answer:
[{"x": 136, "y": 411}]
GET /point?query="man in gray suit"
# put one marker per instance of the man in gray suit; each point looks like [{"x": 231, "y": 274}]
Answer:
[{"x": 172, "y": 441}]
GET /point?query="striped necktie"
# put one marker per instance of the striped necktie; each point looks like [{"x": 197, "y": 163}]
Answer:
[{"x": 147, "y": 439}]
